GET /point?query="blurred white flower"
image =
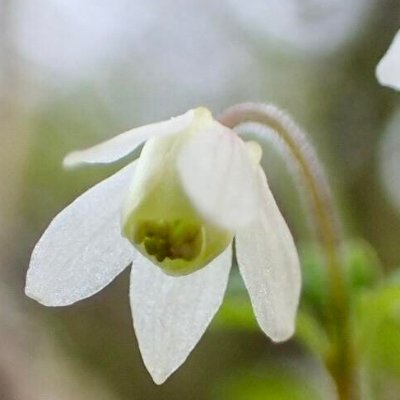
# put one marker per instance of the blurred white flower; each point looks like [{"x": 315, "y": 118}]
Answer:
[
  {"x": 316, "y": 26},
  {"x": 195, "y": 187},
  {"x": 389, "y": 160},
  {"x": 388, "y": 69},
  {"x": 388, "y": 74}
]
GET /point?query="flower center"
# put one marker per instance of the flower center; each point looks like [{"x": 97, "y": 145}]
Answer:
[{"x": 176, "y": 239}]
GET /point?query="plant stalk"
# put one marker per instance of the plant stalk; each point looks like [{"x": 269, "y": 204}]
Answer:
[{"x": 278, "y": 125}]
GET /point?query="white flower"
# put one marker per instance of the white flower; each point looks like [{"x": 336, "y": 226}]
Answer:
[
  {"x": 388, "y": 69},
  {"x": 195, "y": 187}
]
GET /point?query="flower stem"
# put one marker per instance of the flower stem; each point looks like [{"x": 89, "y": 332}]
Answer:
[{"x": 295, "y": 143}]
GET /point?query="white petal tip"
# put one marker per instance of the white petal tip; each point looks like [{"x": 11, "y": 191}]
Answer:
[
  {"x": 29, "y": 292},
  {"x": 278, "y": 331},
  {"x": 281, "y": 336},
  {"x": 388, "y": 70},
  {"x": 72, "y": 160},
  {"x": 159, "y": 378},
  {"x": 43, "y": 299},
  {"x": 387, "y": 78}
]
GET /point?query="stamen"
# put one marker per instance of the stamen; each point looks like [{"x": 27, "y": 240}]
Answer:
[{"x": 177, "y": 239}]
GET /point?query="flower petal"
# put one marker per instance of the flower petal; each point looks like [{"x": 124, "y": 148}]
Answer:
[
  {"x": 388, "y": 69},
  {"x": 269, "y": 265},
  {"x": 82, "y": 250},
  {"x": 219, "y": 176},
  {"x": 123, "y": 144},
  {"x": 170, "y": 314}
]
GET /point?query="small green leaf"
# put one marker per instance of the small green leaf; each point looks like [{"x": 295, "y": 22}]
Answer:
[
  {"x": 311, "y": 334},
  {"x": 363, "y": 266},
  {"x": 287, "y": 381},
  {"x": 362, "y": 269},
  {"x": 236, "y": 311},
  {"x": 315, "y": 284},
  {"x": 378, "y": 331}
]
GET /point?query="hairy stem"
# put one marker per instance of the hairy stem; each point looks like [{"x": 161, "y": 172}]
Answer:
[{"x": 278, "y": 125}]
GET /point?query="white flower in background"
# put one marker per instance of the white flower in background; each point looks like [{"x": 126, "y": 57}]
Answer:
[
  {"x": 388, "y": 74},
  {"x": 316, "y": 26},
  {"x": 173, "y": 214},
  {"x": 388, "y": 69},
  {"x": 389, "y": 159}
]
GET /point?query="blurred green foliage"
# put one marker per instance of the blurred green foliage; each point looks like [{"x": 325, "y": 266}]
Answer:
[
  {"x": 276, "y": 382},
  {"x": 377, "y": 326}
]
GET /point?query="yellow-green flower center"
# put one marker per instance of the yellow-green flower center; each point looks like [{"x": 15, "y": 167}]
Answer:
[{"x": 176, "y": 239}]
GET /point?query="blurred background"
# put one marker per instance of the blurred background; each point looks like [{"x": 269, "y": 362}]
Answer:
[{"x": 74, "y": 73}]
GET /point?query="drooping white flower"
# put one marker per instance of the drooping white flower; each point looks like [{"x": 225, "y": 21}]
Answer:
[
  {"x": 388, "y": 69},
  {"x": 173, "y": 214}
]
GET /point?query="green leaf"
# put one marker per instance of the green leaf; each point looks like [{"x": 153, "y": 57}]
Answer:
[
  {"x": 363, "y": 267},
  {"x": 378, "y": 331},
  {"x": 236, "y": 311},
  {"x": 291, "y": 381},
  {"x": 315, "y": 284},
  {"x": 311, "y": 334}
]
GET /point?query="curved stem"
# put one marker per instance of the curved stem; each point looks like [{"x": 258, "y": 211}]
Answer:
[{"x": 326, "y": 222}]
